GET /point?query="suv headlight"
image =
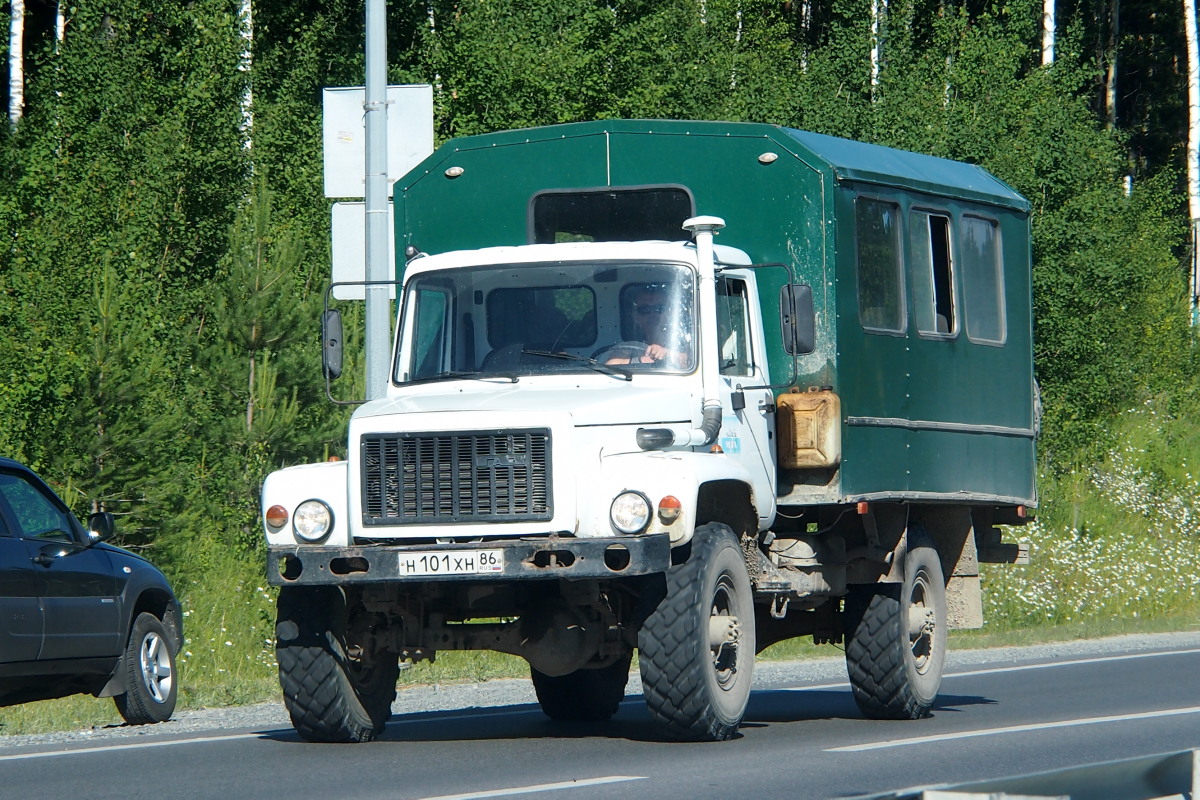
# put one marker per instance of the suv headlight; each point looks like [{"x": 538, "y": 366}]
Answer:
[
  {"x": 312, "y": 521},
  {"x": 630, "y": 512}
]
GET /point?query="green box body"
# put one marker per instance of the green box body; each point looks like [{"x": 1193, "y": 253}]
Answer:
[{"x": 926, "y": 416}]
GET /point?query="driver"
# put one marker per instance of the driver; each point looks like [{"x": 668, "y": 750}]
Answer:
[{"x": 653, "y": 316}]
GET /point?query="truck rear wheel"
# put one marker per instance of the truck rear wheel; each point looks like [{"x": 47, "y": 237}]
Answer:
[
  {"x": 337, "y": 687},
  {"x": 585, "y": 695},
  {"x": 696, "y": 649},
  {"x": 896, "y": 637}
]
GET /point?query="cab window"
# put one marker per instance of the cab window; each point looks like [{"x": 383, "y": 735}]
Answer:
[
  {"x": 983, "y": 284},
  {"x": 932, "y": 266},
  {"x": 610, "y": 214},
  {"x": 432, "y": 342},
  {"x": 733, "y": 327},
  {"x": 551, "y": 317},
  {"x": 880, "y": 285},
  {"x": 36, "y": 515}
]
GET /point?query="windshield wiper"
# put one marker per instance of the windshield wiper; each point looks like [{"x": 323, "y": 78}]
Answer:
[
  {"x": 473, "y": 374},
  {"x": 591, "y": 363}
]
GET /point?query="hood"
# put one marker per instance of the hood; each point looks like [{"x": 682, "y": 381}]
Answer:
[
  {"x": 589, "y": 401},
  {"x": 119, "y": 553}
]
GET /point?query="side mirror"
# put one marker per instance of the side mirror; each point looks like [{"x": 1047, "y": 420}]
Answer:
[
  {"x": 101, "y": 526},
  {"x": 331, "y": 343},
  {"x": 798, "y": 320}
]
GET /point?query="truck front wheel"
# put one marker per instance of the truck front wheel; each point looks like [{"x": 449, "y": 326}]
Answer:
[
  {"x": 696, "y": 649},
  {"x": 896, "y": 637},
  {"x": 585, "y": 695},
  {"x": 338, "y": 686}
]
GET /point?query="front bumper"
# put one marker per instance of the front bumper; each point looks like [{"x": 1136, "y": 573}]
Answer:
[{"x": 541, "y": 558}]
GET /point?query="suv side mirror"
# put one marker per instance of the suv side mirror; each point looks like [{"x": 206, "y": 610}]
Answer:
[
  {"x": 331, "y": 343},
  {"x": 101, "y": 526},
  {"x": 798, "y": 320}
]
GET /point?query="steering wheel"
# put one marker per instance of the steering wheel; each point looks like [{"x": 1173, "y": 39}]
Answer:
[{"x": 630, "y": 351}]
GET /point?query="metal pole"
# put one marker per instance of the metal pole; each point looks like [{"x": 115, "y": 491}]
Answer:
[{"x": 378, "y": 308}]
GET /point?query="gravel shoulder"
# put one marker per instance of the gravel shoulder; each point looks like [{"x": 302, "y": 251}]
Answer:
[{"x": 491, "y": 694}]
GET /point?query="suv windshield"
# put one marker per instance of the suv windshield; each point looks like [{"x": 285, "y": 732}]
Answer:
[{"x": 531, "y": 319}]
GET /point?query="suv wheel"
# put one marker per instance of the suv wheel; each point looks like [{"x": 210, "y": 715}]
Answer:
[{"x": 149, "y": 665}]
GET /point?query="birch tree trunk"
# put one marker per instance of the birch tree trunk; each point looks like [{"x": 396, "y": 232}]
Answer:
[
  {"x": 246, "y": 17},
  {"x": 806, "y": 32},
  {"x": 737, "y": 44},
  {"x": 1048, "y": 32},
  {"x": 878, "y": 31},
  {"x": 1110, "y": 75},
  {"x": 1193, "y": 143},
  {"x": 16, "y": 63}
]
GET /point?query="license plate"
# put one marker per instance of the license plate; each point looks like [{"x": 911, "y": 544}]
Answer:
[{"x": 451, "y": 562}]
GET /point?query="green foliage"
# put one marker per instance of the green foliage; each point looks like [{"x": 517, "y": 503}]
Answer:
[
  {"x": 1116, "y": 539},
  {"x": 254, "y": 389},
  {"x": 228, "y": 656},
  {"x": 118, "y": 416}
]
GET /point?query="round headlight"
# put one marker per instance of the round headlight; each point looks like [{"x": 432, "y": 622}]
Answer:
[
  {"x": 312, "y": 521},
  {"x": 630, "y": 512}
]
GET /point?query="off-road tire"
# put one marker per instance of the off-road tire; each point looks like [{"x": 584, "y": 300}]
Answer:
[
  {"x": 585, "y": 695},
  {"x": 695, "y": 690},
  {"x": 151, "y": 682},
  {"x": 329, "y": 696},
  {"x": 896, "y": 637}
]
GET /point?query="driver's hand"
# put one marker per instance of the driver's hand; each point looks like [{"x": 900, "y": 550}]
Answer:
[{"x": 657, "y": 354}]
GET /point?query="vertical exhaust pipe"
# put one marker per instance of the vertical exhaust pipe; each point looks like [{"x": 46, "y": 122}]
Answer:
[{"x": 703, "y": 229}]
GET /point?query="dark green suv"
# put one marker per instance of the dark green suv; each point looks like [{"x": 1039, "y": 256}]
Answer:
[{"x": 78, "y": 615}]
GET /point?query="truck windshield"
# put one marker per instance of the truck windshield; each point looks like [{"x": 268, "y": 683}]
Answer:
[{"x": 513, "y": 320}]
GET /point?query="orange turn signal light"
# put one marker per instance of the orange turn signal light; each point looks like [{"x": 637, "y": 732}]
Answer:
[
  {"x": 276, "y": 516},
  {"x": 669, "y": 509}
]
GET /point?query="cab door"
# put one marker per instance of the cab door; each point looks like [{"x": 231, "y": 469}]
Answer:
[
  {"x": 74, "y": 581},
  {"x": 748, "y": 425},
  {"x": 20, "y": 604}
]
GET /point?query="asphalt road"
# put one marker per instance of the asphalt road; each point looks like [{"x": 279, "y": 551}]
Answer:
[{"x": 1000, "y": 713}]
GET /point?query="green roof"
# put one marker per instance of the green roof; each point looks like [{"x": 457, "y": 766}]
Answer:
[
  {"x": 846, "y": 159},
  {"x": 872, "y": 163}
]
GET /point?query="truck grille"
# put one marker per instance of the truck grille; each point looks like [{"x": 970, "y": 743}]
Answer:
[{"x": 478, "y": 476}]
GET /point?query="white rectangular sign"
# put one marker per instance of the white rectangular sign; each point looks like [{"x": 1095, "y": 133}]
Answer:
[
  {"x": 343, "y": 131},
  {"x": 350, "y": 249}
]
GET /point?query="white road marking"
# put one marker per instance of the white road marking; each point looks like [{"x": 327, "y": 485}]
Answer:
[
  {"x": 1018, "y": 668},
  {"x": 108, "y": 748},
  {"x": 541, "y": 787},
  {"x": 1075, "y": 662},
  {"x": 1038, "y": 726}
]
